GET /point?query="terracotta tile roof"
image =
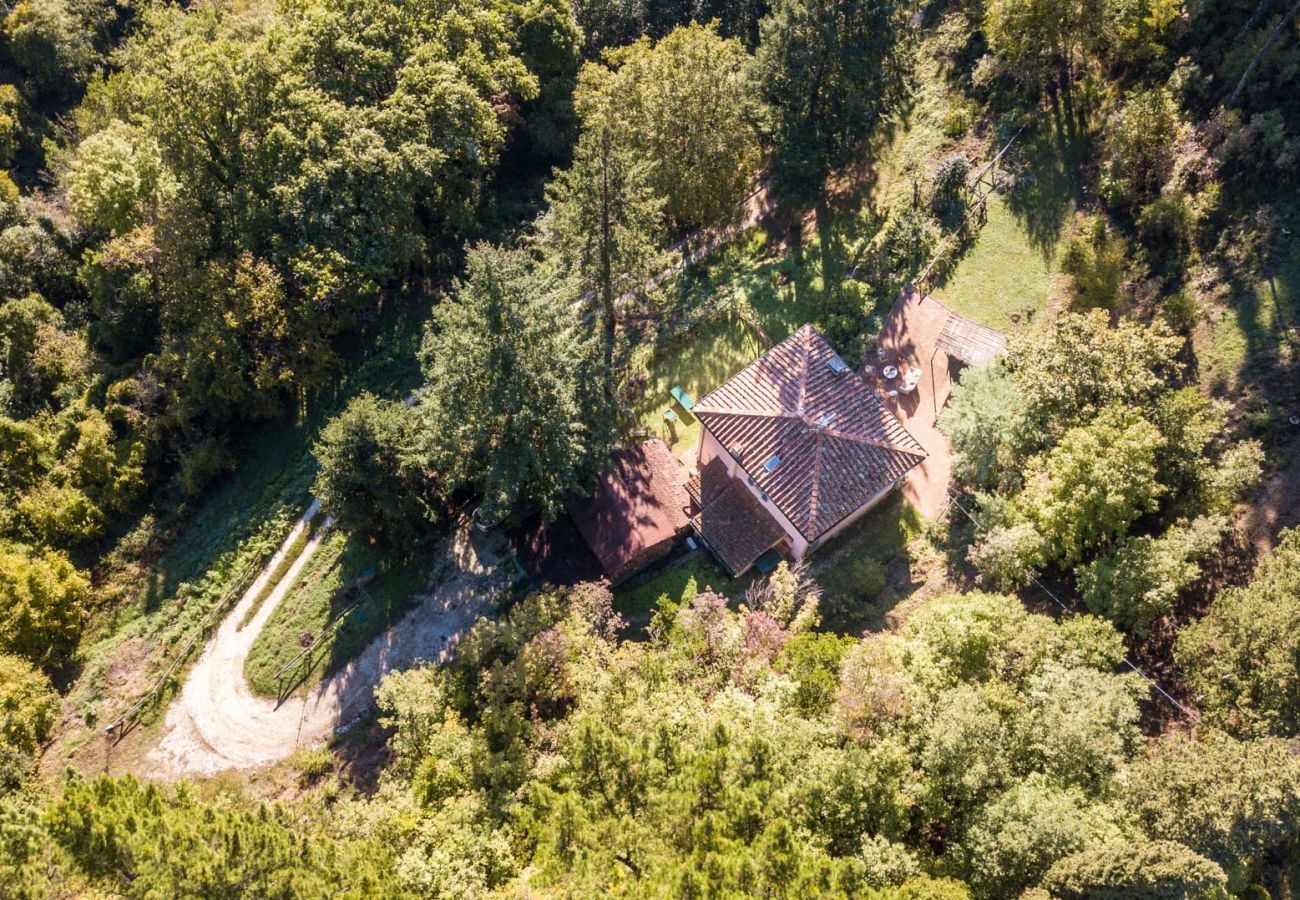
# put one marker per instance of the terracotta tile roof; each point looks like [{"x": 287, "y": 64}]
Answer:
[
  {"x": 810, "y": 432},
  {"x": 640, "y": 503},
  {"x": 733, "y": 523}
]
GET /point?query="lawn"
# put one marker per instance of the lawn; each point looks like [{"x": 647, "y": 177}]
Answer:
[
  {"x": 698, "y": 362},
  {"x": 637, "y": 604},
  {"x": 313, "y": 601},
  {"x": 1004, "y": 281}
]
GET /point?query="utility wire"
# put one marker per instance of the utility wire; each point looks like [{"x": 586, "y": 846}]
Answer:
[{"x": 1195, "y": 717}]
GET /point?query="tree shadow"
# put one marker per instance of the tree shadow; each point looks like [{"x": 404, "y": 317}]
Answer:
[{"x": 1049, "y": 181}]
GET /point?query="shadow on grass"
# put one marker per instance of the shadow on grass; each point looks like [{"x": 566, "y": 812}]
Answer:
[
  {"x": 309, "y": 614},
  {"x": 1049, "y": 184}
]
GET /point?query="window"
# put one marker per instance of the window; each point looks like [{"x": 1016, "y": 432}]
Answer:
[{"x": 772, "y": 462}]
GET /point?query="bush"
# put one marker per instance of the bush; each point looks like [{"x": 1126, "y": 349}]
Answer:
[
  {"x": 1096, "y": 261},
  {"x": 1167, "y": 225},
  {"x": 314, "y": 764},
  {"x": 948, "y": 185},
  {"x": 1182, "y": 311},
  {"x": 959, "y": 117}
]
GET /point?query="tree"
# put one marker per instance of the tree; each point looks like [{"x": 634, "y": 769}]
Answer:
[
  {"x": 132, "y": 839},
  {"x": 606, "y": 230},
  {"x": 813, "y": 660},
  {"x": 52, "y": 43},
  {"x": 39, "y": 355},
  {"x": 1045, "y": 41},
  {"x": 28, "y": 709},
  {"x": 1241, "y": 658},
  {"x": 1139, "y": 139},
  {"x": 983, "y": 420},
  {"x": 1087, "y": 490},
  {"x": 1154, "y": 870},
  {"x": 1139, "y": 582},
  {"x": 684, "y": 105},
  {"x": 42, "y": 604},
  {"x": 829, "y": 71},
  {"x": 368, "y": 478},
  {"x": 1068, "y": 373},
  {"x": 550, "y": 45},
  {"x": 506, "y": 404},
  {"x": 1018, "y": 837},
  {"x": 1232, "y": 802},
  {"x": 116, "y": 178}
]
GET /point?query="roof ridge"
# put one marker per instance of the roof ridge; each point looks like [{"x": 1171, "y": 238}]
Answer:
[
  {"x": 883, "y": 445},
  {"x": 815, "y": 489}
]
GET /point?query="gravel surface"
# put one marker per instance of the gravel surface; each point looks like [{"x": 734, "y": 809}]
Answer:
[{"x": 217, "y": 723}]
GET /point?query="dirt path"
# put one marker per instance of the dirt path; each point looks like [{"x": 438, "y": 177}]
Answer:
[{"x": 217, "y": 723}]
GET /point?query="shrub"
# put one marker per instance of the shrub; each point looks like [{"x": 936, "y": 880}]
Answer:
[
  {"x": 313, "y": 764},
  {"x": 1095, "y": 260},
  {"x": 1007, "y": 557},
  {"x": 948, "y": 185}
]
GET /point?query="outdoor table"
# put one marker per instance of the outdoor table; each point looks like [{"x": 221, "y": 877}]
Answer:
[{"x": 890, "y": 372}]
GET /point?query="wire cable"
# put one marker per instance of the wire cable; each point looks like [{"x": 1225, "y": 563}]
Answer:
[{"x": 1192, "y": 715}]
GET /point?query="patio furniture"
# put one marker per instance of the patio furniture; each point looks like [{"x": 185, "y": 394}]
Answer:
[
  {"x": 685, "y": 399},
  {"x": 890, "y": 372}
]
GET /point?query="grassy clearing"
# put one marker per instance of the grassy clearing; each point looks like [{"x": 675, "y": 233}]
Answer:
[
  {"x": 316, "y": 597},
  {"x": 1004, "y": 281},
  {"x": 698, "y": 362},
  {"x": 1240, "y": 346}
]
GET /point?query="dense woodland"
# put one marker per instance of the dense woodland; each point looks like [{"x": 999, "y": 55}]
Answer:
[{"x": 213, "y": 213}]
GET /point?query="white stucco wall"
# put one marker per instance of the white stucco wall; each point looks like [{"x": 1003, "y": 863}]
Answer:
[
  {"x": 857, "y": 514},
  {"x": 710, "y": 448},
  {"x": 799, "y": 547}
]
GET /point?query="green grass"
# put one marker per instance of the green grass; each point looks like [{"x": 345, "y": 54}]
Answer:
[
  {"x": 698, "y": 362},
  {"x": 291, "y": 553},
  {"x": 637, "y": 604},
  {"x": 1237, "y": 346},
  {"x": 1004, "y": 281},
  {"x": 316, "y": 597}
]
